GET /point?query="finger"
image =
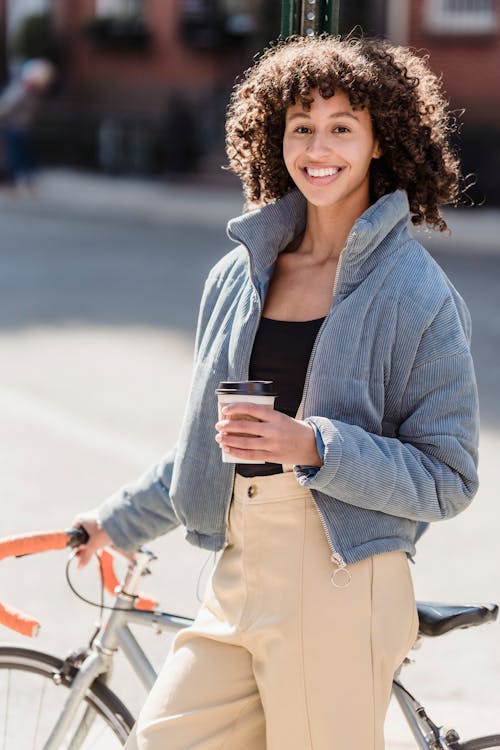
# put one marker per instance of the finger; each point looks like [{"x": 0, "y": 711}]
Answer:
[
  {"x": 259, "y": 411},
  {"x": 242, "y": 442},
  {"x": 244, "y": 426},
  {"x": 83, "y": 555},
  {"x": 249, "y": 455}
]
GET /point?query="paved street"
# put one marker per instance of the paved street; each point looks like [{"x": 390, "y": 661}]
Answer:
[{"x": 97, "y": 313}]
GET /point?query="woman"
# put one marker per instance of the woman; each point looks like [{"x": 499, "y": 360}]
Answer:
[{"x": 310, "y": 608}]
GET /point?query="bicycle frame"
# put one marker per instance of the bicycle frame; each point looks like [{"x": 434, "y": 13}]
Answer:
[
  {"x": 427, "y": 735},
  {"x": 417, "y": 723},
  {"x": 131, "y": 647},
  {"x": 112, "y": 635}
]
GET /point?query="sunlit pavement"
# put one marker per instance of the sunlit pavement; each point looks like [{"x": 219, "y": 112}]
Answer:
[
  {"x": 100, "y": 281},
  {"x": 84, "y": 194}
]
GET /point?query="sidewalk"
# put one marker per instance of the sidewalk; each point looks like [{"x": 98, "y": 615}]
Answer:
[
  {"x": 474, "y": 230},
  {"x": 131, "y": 199}
]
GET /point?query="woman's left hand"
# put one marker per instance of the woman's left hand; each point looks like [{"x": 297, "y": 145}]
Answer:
[{"x": 275, "y": 437}]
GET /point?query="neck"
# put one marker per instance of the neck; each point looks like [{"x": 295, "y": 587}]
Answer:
[{"x": 327, "y": 230}]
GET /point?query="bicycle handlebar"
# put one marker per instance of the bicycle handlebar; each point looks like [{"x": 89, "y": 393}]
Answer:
[
  {"x": 30, "y": 544},
  {"x": 111, "y": 582},
  {"x": 16, "y": 620}
]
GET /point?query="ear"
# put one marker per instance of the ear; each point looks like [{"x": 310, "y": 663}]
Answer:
[{"x": 377, "y": 151}]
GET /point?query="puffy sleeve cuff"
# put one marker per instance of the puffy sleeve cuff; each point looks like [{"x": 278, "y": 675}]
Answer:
[{"x": 308, "y": 475}]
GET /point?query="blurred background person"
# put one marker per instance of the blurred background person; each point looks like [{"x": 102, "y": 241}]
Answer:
[{"x": 18, "y": 105}]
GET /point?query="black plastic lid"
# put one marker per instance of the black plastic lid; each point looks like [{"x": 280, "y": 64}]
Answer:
[{"x": 247, "y": 388}]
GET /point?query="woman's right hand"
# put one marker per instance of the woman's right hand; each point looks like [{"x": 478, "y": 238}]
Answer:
[{"x": 98, "y": 538}]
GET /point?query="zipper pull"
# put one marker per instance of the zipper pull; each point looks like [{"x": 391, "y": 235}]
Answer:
[{"x": 341, "y": 577}]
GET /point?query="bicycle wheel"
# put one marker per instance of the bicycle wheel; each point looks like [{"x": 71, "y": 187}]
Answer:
[
  {"x": 31, "y": 700},
  {"x": 480, "y": 743}
]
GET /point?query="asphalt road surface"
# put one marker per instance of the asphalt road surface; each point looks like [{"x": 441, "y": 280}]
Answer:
[{"x": 96, "y": 332}]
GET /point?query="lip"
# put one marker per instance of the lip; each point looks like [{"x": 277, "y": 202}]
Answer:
[{"x": 324, "y": 179}]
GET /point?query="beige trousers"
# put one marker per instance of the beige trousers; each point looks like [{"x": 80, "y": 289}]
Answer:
[{"x": 278, "y": 658}]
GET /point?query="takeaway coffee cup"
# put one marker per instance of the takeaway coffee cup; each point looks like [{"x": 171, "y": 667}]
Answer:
[{"x": 241, "y": 391}]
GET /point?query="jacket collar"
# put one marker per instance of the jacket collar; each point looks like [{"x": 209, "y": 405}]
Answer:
[{"x": 266, "y": 231}]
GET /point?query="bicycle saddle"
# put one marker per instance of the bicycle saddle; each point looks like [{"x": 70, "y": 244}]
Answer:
[{"x": 436, "y": 619}]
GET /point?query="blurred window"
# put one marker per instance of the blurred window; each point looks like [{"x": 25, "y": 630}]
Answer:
[
  {"x": 117, "y": 7},
  {"x": 464, "y": 17},
  {"x": 214, "y": 23},
  {"x": 240, "y": 15}
]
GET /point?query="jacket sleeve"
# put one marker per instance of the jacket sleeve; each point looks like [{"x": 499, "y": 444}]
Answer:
[
  {"x": 429, "y": 471},
  {"x": 143, "y": 510}
]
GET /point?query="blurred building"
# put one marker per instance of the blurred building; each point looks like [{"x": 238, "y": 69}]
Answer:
[
  {"x": 144, "y": 83},
  {"x": 462, "y": 38}
]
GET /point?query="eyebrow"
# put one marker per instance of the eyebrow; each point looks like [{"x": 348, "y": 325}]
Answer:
[{"x": 334, "y": 114}]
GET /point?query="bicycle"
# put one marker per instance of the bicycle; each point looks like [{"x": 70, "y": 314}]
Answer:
[{"x": 70, "y": 705}]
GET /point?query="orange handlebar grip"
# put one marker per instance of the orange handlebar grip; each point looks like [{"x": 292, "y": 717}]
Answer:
[
  {"x": 18, "y": 621},
  {"x": 111, "y": 582},
  {"x": 30, "y": 544}
]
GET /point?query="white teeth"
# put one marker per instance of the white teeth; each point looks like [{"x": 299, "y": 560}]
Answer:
[{"x": 322, "y": 172}]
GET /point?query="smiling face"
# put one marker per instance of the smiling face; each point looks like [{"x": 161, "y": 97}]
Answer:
[{"x": 328, "y": 151}]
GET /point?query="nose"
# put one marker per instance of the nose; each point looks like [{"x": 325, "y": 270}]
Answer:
[{"x": 318, "y": 145}]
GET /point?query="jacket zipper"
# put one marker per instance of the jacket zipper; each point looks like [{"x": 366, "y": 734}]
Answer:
[{"x": 341, "y": 576}]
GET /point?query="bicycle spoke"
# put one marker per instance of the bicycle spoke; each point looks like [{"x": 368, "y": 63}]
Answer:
[
  {"x": 97, "y": 738},
  {"x": 7, "y": 698},
  {"x": 40, "y": 703},
  {"x": 86, "y": 732},
  {"x": 83, "y": 728}
]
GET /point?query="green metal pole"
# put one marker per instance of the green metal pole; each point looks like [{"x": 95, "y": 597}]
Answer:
[
  {"x": 289, "y": 18},
  {"x": 331, "y": 17},
  {"x": 309, "y": 17}
]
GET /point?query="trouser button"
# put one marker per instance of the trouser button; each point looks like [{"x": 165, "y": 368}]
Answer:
[{"x": 252, "y": 491}]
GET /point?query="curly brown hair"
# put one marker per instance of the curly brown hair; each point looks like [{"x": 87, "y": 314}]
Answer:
[{"x": 409, "y": 112}]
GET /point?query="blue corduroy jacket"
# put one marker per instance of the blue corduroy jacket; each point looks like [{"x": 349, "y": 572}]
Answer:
[{"x": 390, "y": 391}]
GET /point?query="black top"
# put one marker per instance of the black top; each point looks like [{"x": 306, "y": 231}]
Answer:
[{"x": 281, "y": 352}]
